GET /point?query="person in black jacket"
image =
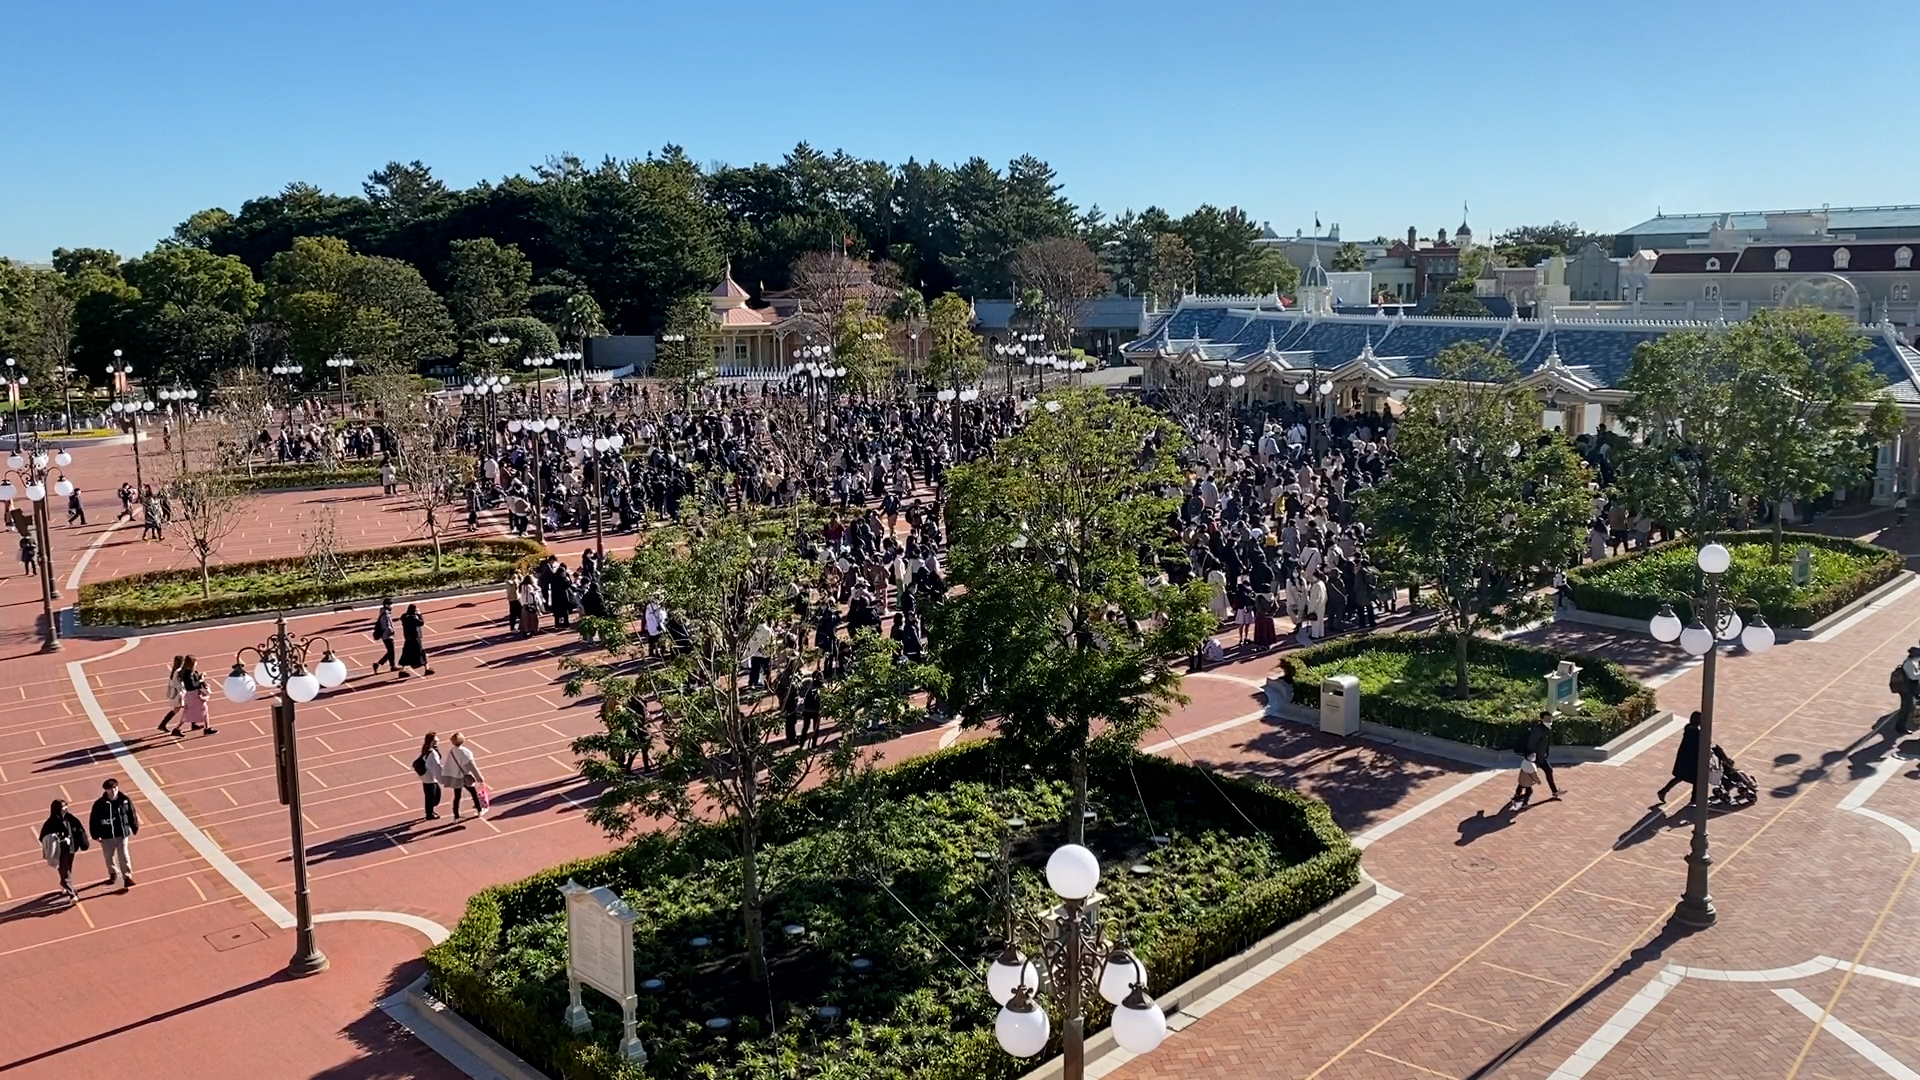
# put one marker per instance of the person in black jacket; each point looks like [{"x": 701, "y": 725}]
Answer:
[
  {"x": 1539, "y": 744},
  {"x": 68, "y": 837},
  {"x": 383, "y": 633},
  {"x": 1686, "y": 759},
  {"x": 114, "y": 824}
]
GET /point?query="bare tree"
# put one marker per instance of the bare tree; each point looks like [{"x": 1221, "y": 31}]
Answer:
[
  {"x": 1067, "y": 274},
  {"x": 206, "y": 501},
  {"x": 426, "y": 465},
  {"x": 826, "y": 282}
]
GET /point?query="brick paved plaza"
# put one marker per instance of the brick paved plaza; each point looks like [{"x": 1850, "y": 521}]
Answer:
[{"x": 1530, "y": 946}]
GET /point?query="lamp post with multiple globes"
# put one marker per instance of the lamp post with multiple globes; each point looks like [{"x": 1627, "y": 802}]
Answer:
[
  {"x": 291, "y": 372},
  {"x": 280, "y": 663},
  {"x": 29, "y": 471},
  {"x": 341, "y": 363},
  {"x": 178, "y": 399},
  {"x": 591, "y": 448},
  {"x": 487, "y": 389},
  {"x": 1714, "y": 621},
  {"x": 1075, "y": 958},
  {"x": 815, "y": 364},
  {"x": 536, "y": 429},
  {"x": 130, "y": 406}
]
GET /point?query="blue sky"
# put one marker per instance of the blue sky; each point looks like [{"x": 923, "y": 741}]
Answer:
[{"x": 122, "y": 118}]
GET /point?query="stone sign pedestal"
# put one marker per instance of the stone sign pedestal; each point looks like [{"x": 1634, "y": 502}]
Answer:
[{"x": 600, "y": 955}]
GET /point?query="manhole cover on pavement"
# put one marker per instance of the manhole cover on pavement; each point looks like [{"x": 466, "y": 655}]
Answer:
[
  {"x": 244, "y": 934},
  {"x": 1469, "y": 865}
]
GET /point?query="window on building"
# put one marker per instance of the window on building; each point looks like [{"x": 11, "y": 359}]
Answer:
[
  {"x": 1782, "y": 259},
  {"x": 1902, "y": 258},
  {"x": 1779, "y": 291},
  {"x": 1901, "y": 291},
  {"x": 740, "y": 351},
  {"x": 1711, "y": 292},
  {"x": 1841, "y": 257},
  {"x": 1713, "y": 264}
]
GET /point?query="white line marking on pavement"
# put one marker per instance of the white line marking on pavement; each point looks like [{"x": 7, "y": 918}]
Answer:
[
  {"x": 1211, "y": 729},
  {"x": 1855, "y": 1041},
  {"x": 1224, "y": 677},
  {"x": 434, "y": 931},
  {"x": 1864, "y": 613},
  {"x": 1426, "y": 806},
  {"x": 1597, "y": 1046},
  {"x": 1855, "y": 802},
  {"x": 80, "y": 567}
]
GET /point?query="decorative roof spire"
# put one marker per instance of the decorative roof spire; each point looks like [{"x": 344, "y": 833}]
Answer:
[
  {"x": 1553, "y": 353},
  {"x": 1366, "y": 351}
]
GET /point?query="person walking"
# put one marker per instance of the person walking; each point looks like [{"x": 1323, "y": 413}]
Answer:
[
  {"x": 387, "y": 476},
  {"x": 1539, "y": 746},
  {"x": 29, "y": 553},
  {"x": 75, "y": 511},
  {"x": 173, "y": 693},
  {"x": 413, "y": 649},
  {"x": 150, "y": 520},
  {"x": 126, "y": 503},
  {"x": 427, "y": 766},
  {"x": 194, "y": 696},
  {"x": 60, "y": 837},
  {"x": 461, "y": 773},
  {"x": 383, "y": 633},
  {"x": 114, "y": 823},
  {"x": 1686, "y": 760}
]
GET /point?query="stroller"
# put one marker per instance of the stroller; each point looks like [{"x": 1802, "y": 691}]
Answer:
[{"x": 1732, "y": 789}]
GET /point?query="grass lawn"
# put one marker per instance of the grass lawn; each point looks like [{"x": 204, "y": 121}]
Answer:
[
  {"x": 1635, "y": 585},
  {"x": 908, "y": 878},
  {"x": 1407, "y": 681}
]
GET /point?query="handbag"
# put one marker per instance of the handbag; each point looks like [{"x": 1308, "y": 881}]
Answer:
[
  {"x": 484, "y": 796},
  {"x": 1529, "y": 773}
]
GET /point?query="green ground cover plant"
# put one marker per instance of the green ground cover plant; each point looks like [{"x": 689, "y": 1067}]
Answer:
[{"x": 1634, "y": 585}]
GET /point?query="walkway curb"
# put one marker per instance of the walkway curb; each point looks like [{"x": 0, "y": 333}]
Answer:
[
  {"x": 465, "y": 1047},
  {"x": 1478, "y": 756},
  {"x": 1180, "y": 1001},
  {"x": 70, "y": 626}
]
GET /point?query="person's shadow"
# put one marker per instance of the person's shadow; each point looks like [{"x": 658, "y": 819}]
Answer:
[{"x": 1480, "y": 824}]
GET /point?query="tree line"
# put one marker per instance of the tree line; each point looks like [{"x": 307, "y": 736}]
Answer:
[{"x": 410, "y": 269}]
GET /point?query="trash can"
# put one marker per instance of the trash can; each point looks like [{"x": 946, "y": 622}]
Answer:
[{"x": 1340, "y": 705}]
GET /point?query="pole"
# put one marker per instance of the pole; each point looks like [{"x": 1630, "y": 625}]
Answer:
[
  {"x": 52, "y": 642},
  {"x": 307, "y": 957},
  {"x": 1696, "y": 904},
  {"x": 139, "y": 480},
  {"x": 1073, "y": 1023}
]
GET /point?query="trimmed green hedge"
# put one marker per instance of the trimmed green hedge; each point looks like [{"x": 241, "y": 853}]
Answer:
[
  {"x": 150, "y": 599},
  {"x": 1634, "y": 585},
  {"x": 1612, "y": 700},
  {"x": 294, "y": 475},
  {"x": 468, "y": 969}
]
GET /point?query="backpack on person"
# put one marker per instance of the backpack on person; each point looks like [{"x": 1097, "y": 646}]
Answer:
[
  {"x": 50, "y": 848},
  {"x": 420, "y": 765}
]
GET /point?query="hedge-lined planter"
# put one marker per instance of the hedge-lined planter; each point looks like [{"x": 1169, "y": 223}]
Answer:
[
  {"x": 399, "y": 571},
  {"x": 300, "y": 475},
  {"x": 468, "y": 970},
  {"x": 1634, "y": 585},
  {"x": 1613, "y": 701}
]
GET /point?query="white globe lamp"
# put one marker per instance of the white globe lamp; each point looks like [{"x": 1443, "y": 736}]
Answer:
[
  {"x": 1022, "y": 1027},
  {"x": 1666, "y": 625},
  {"x": 264, "y": 675},
  {"x": 1009, "y": 971},
  {"x": 1732, "y": 629},
  {"x": 1696, "y": 639},
  {"x": 8, "y": 492},
  {"x": 238, "y": 685},
  {"x": 1073, "y": 872},
  {"x": 303, "y": 686},
  {"x": 1758, "y": 636},
  {"x": 36, "y": 492},
  {"x": 1119, "y": 974},
  {"x": 63, "y": 487},
  {"x": 331, "y": 671},
  {"x": 1139, "y": 1024},
  {"x": 63, "y": 459},
  {"x": 1714, "y": 559}
]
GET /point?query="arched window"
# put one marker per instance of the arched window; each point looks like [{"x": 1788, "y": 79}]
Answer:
[
  {"x": 1901, "y": 291},
  {"x": 1782, "y": 259},
  {"x": 1902, "y": 258},
  {"x": 1841, "y": 257},
  {"x": 1713, "y": 264},
  {"x": 1779, "y": 291},
  {"x": 1711, "y": 292}
]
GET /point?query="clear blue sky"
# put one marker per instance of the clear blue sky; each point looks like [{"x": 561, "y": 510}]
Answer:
[{"x": 123, "y": 118}]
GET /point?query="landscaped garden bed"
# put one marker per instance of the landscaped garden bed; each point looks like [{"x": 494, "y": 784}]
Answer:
[
  {"x": 1407, "y": 682},
  {"x": 903, "y": 871},
  {"x": 297, "y": 475},
  {"x": 162, "y": 597},
  {"x": 1634, "y": 585}
]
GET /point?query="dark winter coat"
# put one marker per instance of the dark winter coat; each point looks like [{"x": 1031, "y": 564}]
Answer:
[{"x": 113, "y": 815}]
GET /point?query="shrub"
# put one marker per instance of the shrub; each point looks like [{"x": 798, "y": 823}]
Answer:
[
  {"x": 1225, "y": 882},
  {"x": 294, "y": 475},
  {"x": 1634, "y": 585},
  {"x": 1404, "y": 679},
  {"x": 160, "y": 597}
]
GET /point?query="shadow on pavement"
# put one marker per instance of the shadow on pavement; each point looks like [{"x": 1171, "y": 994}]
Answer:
[
  {"x": 278, "y": 976},
  {"x": 1358, "y": 787}
]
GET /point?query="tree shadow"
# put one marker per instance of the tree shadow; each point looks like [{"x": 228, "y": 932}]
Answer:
[
  {"x": 1640, "y": 654},
  {"x": 1359, "y": 787}
]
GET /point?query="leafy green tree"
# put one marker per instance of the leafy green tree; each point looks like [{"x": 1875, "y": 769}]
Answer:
[
  {"x": 1349, "y": 258},
  {"x": 864, "y": 347},
  {"x": 1777, "y": 407},
  {"x": 192, "y": 311},
  {"x": 721, "y": 750},
  {"x": 954, "y": 357},
  {"x": 684, "y": 351},
  {"x": 378, "y": 310},
  {"x": 1477, "y": 503},
  {"x": 486, "y": 280},
  {"x": 529, "y": 337},
  {"x": 1173, "y": 271},
  {"x": 1060, "y": 629},
  {"x": 1456, "y": 304},
  {"x": 580, "y": 318},
  {"x": 1228, "y": 258}
]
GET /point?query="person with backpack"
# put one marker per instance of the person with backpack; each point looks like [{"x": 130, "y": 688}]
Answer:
[
  {"x": 114, "y": 823},
  {"x": 1904, "y": 680},
  {"x": 60, "y": 837},
  {"x": 383, "y": 633},
  {"x": 427, "y": 767}
]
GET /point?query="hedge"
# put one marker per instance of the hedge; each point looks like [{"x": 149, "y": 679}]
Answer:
[
  {"x": 108, "y": 603},
  {"x": 1598, "y": 587},
  {"x": 1329, "y": 866},
  {"x": 1622, "y": 701},
  {"x": 293, "y": 475}
]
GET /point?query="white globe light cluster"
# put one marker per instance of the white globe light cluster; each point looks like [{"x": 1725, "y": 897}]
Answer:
[{"x": 1697, "y": 639}]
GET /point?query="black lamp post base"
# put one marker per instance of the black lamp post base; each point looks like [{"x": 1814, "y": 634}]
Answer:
[
  {"x": 52, "y": 645},
  {"x": 310, "y": 962},
  {"x": 1701, "y": 915}
]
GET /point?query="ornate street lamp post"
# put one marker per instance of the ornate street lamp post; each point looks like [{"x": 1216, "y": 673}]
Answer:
[
  {"x": 342, "y": 364},
  {"x": 536, "y": 429},
  {"x": 1075, "y": 958},
  {"x": 130, "y": 405},
  {"x": 32, "y": 467},
  {"x": 281, "y": 663},
  {"x": 1714, "y": 621}
]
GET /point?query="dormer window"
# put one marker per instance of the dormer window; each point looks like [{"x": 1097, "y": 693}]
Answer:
[
  {"x": 1902, "y": 258},
  {"x": 1841, "y": 257},
  {"x": 1782, "y": 259},
  {"x": 1713, "y": 264}
]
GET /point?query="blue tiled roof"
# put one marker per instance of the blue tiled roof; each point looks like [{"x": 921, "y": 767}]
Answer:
[
  {"x": 1335, "y": 343},
  {"x": 1607, "y": 352},
  {"x": 1518, "y": 344},
  {"x": 1422, "y": 343},
  {"x": 1884, "y": 360}
]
